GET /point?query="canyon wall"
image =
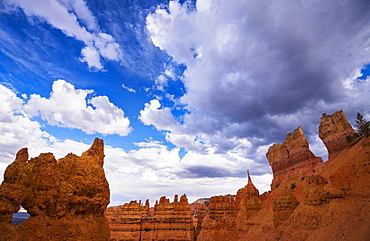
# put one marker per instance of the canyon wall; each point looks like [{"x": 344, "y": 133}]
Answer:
[{"x": 66, "y": 199}]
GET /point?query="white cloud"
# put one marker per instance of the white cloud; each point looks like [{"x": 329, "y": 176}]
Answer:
[
  {"x": 151, "y": 171},
  {"x": 66, "y": 15},
  {"x": 153, "y": 114},
  {"x": 248, "y": 61},
  {"x": 91, "y": 56},
  {"x": 129, "y": 89},
  {"x": 82, "y": 12},
  {"x": 70, "y": 107}
]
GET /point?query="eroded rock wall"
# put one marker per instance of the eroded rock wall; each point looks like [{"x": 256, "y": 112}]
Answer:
[{"x": 66, "y": 199}]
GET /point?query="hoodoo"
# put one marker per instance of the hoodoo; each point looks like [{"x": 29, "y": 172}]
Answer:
[
  {"x": 333, "y": 130},
  {"x": 292, "y": 158},
  {"x": 66, "y": 199}
]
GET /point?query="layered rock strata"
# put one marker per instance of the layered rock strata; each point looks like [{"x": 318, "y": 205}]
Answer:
[
  {"x": 169, "y": 221},
  {"x": 291, "y": 158},
  {"x": 131, "y": 215},
  {"x": 66, "y": 199},
  {"x": 228, "y": 216},
  {"x": 333, "y": 130}
]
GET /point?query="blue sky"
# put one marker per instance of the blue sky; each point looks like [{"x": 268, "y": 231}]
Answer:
[{"x": 186, "y": 95}]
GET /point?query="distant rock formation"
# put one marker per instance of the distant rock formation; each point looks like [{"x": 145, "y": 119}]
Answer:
[
  {"x": 333, "y": 130},
  {"x": 291, "y": 158},
  {"x": 66, "y": 199},
  {"x": 229, "y": 216},
  {"x": 169, "y": 221}
]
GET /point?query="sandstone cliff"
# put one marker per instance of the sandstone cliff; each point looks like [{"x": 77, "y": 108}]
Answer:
[{"x": 66, "y": 199}]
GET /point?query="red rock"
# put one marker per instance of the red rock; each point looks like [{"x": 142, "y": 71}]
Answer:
[
  {"x": 292, "y": 158},
  {"x": 333, "y": 130},
  {"x": 66, "y": 199},
  {"x": 169, "y": 221},
  {"x": 331, "y": 203}
]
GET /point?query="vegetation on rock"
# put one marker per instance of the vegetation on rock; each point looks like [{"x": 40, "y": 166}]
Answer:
[{"x": 362, "y": 127}]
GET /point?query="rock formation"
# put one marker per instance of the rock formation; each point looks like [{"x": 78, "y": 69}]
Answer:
[
  {"x": 333, "y": 130},
  {"x": 219, "y": 223},
  {"x": 291, "y": 158},
  {"x": 169, "y": 221},
  {"x": 125, "y": 222},
  {"x": 310, "y": 199},
  {"x": 229, "y": 216},
  {"x": 66, "y": 199}
]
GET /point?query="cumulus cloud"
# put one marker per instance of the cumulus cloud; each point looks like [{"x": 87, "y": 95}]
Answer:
[
  {"x": 150, "y": 171},
  {"x": 155, "y": 170},
  {"x": 72, "y": 108},
  {"x": 153, "y": 114},
  {"x": 75, "y": 20},
  {"x": 18, "y": 131},
  {"x": 258, "y": 70}
]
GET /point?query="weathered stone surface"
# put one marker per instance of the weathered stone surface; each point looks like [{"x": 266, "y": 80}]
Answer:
[
  {"x": 291, "y": 158},
  {"x": 66, "y": 199},
  {"x": 284, "y": 205},
  {"x": 125, "y": 221},
  {"x": 169, "y": 221},
  {"x": 228, "y": 216},
  {"x": 333, "y": 130},
  {"x": 220, "y": 221}
]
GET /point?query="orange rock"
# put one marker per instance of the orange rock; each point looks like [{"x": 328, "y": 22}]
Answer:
[
  {"x": 331, "y": 203},
  {"x": 169, "y": 221},
  {"x": 66, "y": 199},
  {"x": 333, "y": 130},
  {"x": 292, "y": 158}
]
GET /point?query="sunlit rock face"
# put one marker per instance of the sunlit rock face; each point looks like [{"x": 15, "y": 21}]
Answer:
[
  {"x": 333, "y": 130},
  {"x": 311, "y": 200},
  {"x": 167, "y": 221},
  {"x": 66, "y": 199},
  {"x": 291, "y": 158}
]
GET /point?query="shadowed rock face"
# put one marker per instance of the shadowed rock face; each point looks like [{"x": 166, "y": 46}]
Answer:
[
  {"x": 333, "y": 130},
  {"x": 291, "y": 158},
  {"x": 66, "y": 199}
]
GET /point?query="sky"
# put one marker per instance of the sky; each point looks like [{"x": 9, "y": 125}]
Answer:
[{"x": 187, "y": 95}]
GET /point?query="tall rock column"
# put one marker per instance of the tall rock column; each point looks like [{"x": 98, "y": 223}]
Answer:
[
  {"x": 333, "y": 130},
  {"x": 66, "y": 199},
  {"x": 291, "y": 158}
]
